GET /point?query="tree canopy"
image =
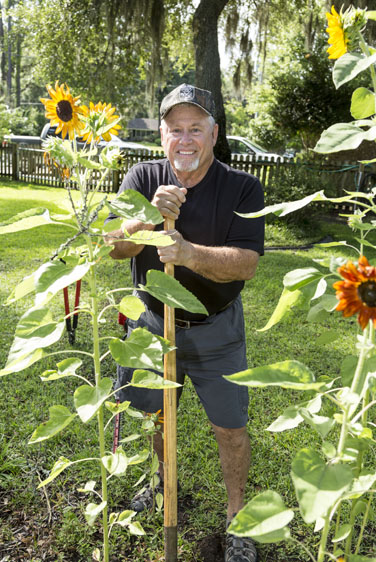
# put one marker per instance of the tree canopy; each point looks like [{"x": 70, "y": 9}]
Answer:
[{"x": 265, "y": 61}]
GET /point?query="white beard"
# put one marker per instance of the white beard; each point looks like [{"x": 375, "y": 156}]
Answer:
[{"x": 182, "y": 166}]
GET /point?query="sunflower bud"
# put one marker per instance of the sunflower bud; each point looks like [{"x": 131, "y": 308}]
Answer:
[{"x": 354, "y": 22}]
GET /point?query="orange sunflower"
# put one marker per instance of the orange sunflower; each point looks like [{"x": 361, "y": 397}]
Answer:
[
  {"x": 357, "y": 293},
  {"x": 337, "y": 36},
  {"x": 100, "y": 122},
  {"x": 63, "y": 110}
]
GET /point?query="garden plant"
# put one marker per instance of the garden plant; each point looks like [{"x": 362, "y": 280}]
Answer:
[
  {"x": 334, "y": 486},
  {"x": 76, "y": 259}
]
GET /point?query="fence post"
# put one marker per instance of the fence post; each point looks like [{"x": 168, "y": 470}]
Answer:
[
  {"x": 115, "y": 181},
  {"x": 14, "y": 162}
]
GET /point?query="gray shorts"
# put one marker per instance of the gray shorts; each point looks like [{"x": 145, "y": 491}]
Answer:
[{"x": 204, "y": 352}]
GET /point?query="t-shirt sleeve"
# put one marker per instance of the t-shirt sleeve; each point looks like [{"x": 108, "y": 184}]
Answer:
[{"x": 248, "y": 233}]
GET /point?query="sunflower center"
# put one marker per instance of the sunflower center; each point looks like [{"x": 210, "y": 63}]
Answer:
[
  {"x": 64, "y": 110},
  {"x": 367, "y": 293}
]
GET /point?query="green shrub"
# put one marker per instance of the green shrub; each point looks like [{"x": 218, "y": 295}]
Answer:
[{"x": 295, "y": 181}]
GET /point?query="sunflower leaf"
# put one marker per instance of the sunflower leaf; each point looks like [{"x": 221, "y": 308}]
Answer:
[
  {"x": 88, "y": 399},
  {"x": 299, "y": 277},
  {"x": 131, "y": 306},
  {"x": 264, "y": 519},
  {"x": 65, "y": 368},
  {"x": 318, "y": 485},
  {"x": 61, "y": 464},
  {"x": 343, "y": 136},
  {"x": 141, "y": 350},
  {"x": 321, "y": 424},
  {"x": 90, "y": 164},
  {"x": 291, "y": 417},
  {"x": 362, "y": 103},
  {"x": 133, "y": 205},
  {"x": 286, "y": 374},
  {"x": 150, "y": 238},
  {"x": 282, "y": 209},
  {"x": 35, "y": 330},
  {"x": 350, "y": 65},
  {"x": 26, "y": 220},
  {"x": 92, "y": 511},
  {"x": 147, "y": 379},
  {"x": 168, "y": 290},
  {"x": 55, "y": 276},
  {"x": 116, "y": 463},
  {"x": 60, "y": 417},
  {"x": 287, "y": 301}
]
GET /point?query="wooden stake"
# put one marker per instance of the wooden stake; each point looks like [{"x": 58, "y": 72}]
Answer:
[{"x": 170, "y": 439}]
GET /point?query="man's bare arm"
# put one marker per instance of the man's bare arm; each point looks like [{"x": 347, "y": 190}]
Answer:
[
  {"x": 220, "y": 264},
  {"x": 223, "y": 264}
]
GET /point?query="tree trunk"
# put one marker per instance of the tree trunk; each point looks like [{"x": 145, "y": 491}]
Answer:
[
  {"x": 2, "y": 54},
  {"x": 18, "y": 70},
  {"x": 208, "y": 70},
  {"x": 9, "y": 73}
]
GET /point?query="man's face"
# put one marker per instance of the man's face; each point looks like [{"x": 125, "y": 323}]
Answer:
[{"x": 188, "y": 138}]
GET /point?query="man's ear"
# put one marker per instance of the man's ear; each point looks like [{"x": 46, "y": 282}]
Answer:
[
  {"x": 161, "y": 131},
  {"x": 215, "y": 134}
]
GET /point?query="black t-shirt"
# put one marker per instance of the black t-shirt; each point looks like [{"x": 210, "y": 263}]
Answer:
[{"x": 206, "y": 218}]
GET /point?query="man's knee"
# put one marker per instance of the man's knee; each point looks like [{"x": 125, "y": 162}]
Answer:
[{"x": 231, "y": 436}]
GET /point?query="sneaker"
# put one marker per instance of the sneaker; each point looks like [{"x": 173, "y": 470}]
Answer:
[
  {"x": 240, "y": 549},
  {"x": 145, "y": 499}
]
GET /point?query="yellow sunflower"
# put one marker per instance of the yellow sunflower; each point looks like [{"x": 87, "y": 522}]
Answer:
[
  {"x": 63, "y": 110},
  {"x": 337, "y": 36},
  {"x": 357, "y": 293},
  {"x": 100, "y": 122}
]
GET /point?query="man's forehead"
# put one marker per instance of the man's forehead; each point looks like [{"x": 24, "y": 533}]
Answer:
[{"x": 184, "y": 112}]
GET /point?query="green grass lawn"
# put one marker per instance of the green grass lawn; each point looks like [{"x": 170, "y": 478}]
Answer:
[{"x": 48, "y": 524}]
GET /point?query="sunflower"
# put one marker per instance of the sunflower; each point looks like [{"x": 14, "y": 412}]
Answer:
[
  {"x": 63, "y": 110},
  {"x": 357, "y": 293},
  {"x": 100, "y": 122},
  {"x": 337, "y": 36}
]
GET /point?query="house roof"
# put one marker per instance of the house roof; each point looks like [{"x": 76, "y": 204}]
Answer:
[{"x": 143, "y": 124}]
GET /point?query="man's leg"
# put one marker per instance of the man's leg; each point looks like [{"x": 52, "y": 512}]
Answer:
[{"x": 235, "y": 456}]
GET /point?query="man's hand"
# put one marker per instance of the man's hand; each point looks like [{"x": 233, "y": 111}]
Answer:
[
  {"x": 168, "y": 199},
  {"x": 179, "y": 253}
]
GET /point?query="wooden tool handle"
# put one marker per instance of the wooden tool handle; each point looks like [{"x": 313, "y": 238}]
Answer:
[{"x": 170, "y": 434}]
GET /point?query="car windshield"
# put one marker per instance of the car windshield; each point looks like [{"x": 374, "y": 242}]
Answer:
[
  {"x": 240, "y": 145},
  {"x": 261, "y": 148}
]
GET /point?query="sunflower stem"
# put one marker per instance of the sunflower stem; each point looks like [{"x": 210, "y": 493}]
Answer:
[
  {"x": 357, "y": 375},
  {"x": 362, "y": 357},
  {"x": 364, "y": 47},
  {"x": 100, "y": 415},
  {"x": 324, "y": 538},
  {"x": 364, "y": 521},
  {"x": 338, "y": 519},
  {"x": 98, "y": 184}
]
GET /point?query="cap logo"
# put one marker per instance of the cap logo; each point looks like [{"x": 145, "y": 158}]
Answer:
[{"x": 187, "y": 93}]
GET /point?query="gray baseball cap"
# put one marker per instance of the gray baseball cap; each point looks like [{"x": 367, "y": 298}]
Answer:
[{"x": 185, "y": 93}]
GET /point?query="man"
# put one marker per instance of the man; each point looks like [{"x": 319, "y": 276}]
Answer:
[{"x": 215, "y": 251}]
